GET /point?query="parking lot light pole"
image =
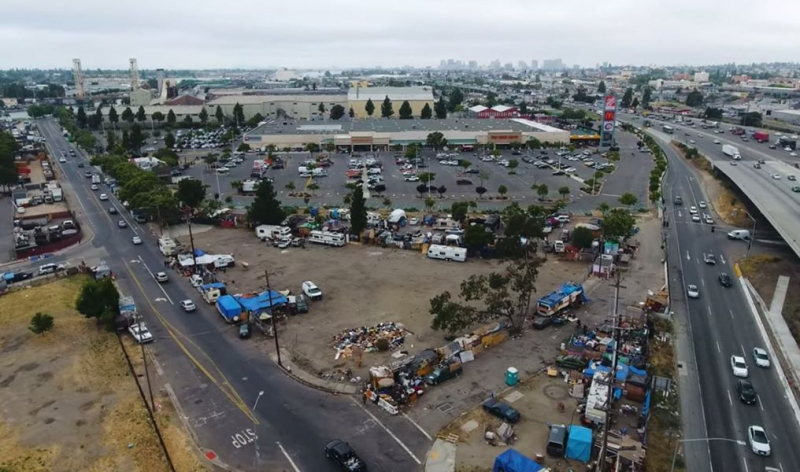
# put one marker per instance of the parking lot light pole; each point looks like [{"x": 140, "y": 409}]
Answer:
[
  {"x": 679, "y": 441},
  {"x": 272, "y": 317}
]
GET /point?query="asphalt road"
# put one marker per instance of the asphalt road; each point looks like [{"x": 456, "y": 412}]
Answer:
[
  {"x": 218, "y": 378},
  {"x": 720, "y": 324}
]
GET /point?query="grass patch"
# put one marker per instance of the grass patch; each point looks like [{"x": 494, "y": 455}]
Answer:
[
  {"x": 753, "y": 265},
  {"x": 665, "y": 420}
]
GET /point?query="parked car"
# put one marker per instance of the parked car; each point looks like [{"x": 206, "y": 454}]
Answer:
[
  {"x": 140, "y": 333},
  {"x": 501, "y": 410},
  {"x": 311, "y": 290},
  {"x": 760, "y": 357},
  {"x": 464, "y": 182},
  {"x": 541, "y": 322},
  {"x": 244, "y": 331},
  {"x": 188, "y": 306},
  {"x": 746, "y": 392},
  {"x": 739, "y": 366},
  {"x": 342, "y": 454}
]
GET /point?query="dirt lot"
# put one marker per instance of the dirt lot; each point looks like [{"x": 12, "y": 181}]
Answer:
[
  {"x": 763, "y": 271},
  {"x": 67, "y": 399},
  {"x": 362, "y": 286}
]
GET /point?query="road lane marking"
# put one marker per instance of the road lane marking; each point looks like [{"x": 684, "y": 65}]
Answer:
[
  {"x": 688, "y": 257},
  {"x": 722, "y": 258},
  {"x": 709, "y": 310},
  {"x": 758, "y": 397},
  {"x": 718, "y": 349},
  {"x": 355, "y": 402},
  {"x": 744, "y": 354},
  {"x": 285, "y": 454},
  {"x": 730, "y": 400},
  {"x": 731, "y": 312},
  {"x": 745, "y": 465},
  {"x": 418, "y": 427},
  {"x": 703, "y": 281},
  {"x": 156, "y": 281}
]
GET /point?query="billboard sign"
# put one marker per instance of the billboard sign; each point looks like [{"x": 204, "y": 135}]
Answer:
[{"x": 609, "y": 121}]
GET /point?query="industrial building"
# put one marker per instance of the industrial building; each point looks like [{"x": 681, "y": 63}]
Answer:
[
  {"x": 789, "y": 116},
  {"x": 417, "y": 97},
  {"x": 382, "y": 134},
  {"x": 497, "y": 111},
  {"x": 298, "y": 107}
]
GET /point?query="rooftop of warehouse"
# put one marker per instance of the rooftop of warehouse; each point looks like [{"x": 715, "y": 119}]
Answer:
[{"x": 397, "y": 126}]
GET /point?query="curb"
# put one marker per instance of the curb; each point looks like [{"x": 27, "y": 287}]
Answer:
[{"x": 288, "y": 372}]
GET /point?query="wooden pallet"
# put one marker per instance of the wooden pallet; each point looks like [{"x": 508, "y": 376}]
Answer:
[{"x": 450, "y": 437}]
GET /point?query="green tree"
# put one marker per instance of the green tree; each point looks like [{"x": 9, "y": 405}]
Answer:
[
  {"x": 628, "y": 199},
  {"x": 81, "y": 119},
  {"x": 465, "y": 164},
  {"x": 752, "y": 118},
  {"x": 169, "y": 156},
  {"x": 191, "y": 193},
  {"x": 627, "y": 98},
  {"x": 86, "y": 140},
  {"x": 157, "y": 117},
  {"x": 582, "y": 237},
  {"x": 386, "y": 108},
  {"x": 542, "y": 191},
  {"x": 564, "y": 192},
  {"x": 480, "y": 190},
  {"x": 369, "y": 107},
  {"x": 358, "y": 211},
  {"x": 694, "y": 98},
  {"x": 141, "y": 116},
  {"x": 603, "y": 208},
  {"x": 441, "y": 191},
  {"x": 187, "y": 121},
  {"x": 646, "y": 97},
  {"x": 265, "y": 209},
  {"x": 290, "y": 186},
  {"x": 426, "y": 113},
  {"x": 113, "y": 117},
  {"x": 534, "y": 143},
  {"x": 406, "y": 113},
  {"x": 238, "y": 114},
  {"x": 459, "y": 211},
  {"x": 713, "y": 113},
  {"x": 41, "y": 323},
  {"x": 635, "y": 103},
  {"x": 477, "y": 238},
  {"x": 455, "y": 99},
  {"x": 321, "y": 108},
  {"x": 313, "y": 187},
  {"x": 617, "y": 224},
  {"x": 502, "y": 190},
  {"x": 427, "y": 177},
  {"x": 210, "y": 159},
  {"x": 312, "y": 147},
  {"x": 136, "y": 137},
  {"x": 169, "y": 140},
  {"x": 126, "y": 140},
  {"x": 244, "y": 147},
  {"x": 506, "y": 294},
  {"x": 436, "y": 140},
  {"x": 203, "y": 116},
  {"x": 352, "y": 113},
  {"x": 171, "y": 118},
  {"x": 99, "y": 299},
  {"x": 601, "y": 87},
  {"x": 513, "y": 163},
  {"x": 491, "y": 99},
  {"x": 219, "y": 115},
  {"x": 440, "y": 108},
  {"x": 111, "y": 140},
  {"x": 337, "y": 112},
  {"x": 429, "y": 203},
  {"x": 127, "y": 115}
]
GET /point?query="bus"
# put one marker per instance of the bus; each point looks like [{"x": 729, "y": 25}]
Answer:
[{"x": 667, "y": 129}]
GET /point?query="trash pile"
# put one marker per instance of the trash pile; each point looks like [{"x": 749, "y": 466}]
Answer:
[{"x": 367, "y": 339}]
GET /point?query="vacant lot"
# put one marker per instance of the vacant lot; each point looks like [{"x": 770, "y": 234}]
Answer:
[
  {"x": 763, "y": 271},
  {"x": 362, "y": 286},
  {"x": 67, "y": 399}
]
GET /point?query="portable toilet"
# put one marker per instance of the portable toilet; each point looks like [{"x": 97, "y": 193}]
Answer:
[{"x": 512, "y": 376}]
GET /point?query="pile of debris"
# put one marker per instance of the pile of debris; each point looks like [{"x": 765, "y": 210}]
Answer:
[{"x": 368, "y": 339}]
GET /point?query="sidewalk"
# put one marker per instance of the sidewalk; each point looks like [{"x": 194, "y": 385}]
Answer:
[{"x": 297, "y": 373}]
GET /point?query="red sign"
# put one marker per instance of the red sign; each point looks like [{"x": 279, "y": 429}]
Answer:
[
  {"x": 609, "y": 115},
  {"x": 611, "y": 102}
]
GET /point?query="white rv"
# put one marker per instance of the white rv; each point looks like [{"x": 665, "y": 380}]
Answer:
[
  {"x": 447, "y": 253},
  {"x": 265, "y": 232},
  {"x": 167, "y": 246},
  {"x": 326, "y": 237}
]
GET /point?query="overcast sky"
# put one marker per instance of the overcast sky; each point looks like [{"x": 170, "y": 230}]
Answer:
[{"x": 356, "y": 33}]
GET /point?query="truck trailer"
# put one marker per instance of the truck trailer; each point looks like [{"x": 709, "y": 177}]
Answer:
[
  {"x": 731, "y": 151},
  {"x": 761, "y": 136}
]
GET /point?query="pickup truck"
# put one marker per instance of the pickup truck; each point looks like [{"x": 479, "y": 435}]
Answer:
[
  {"x": 443, "y": 373},
  {"x": 344, "y": 455}
]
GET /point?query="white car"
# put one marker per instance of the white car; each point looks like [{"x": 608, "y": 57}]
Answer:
[
  {"x": 691, "y": 141},
  {"x": 693, "y": 291},
  {"x": 188, "y": 306},
  {"x": 776, "y": 176},
  {"x": 196, "y": 280},
  {"x": 136, "y": 240},
  {"x": 103, "y": 197},
  {"x": 413, "y": 221},
  {"x": 692, "y": 209},
  {"x": 761, "y": 357},
  {"x": 739, "y": 366},
  {"x": 696, "y": 218},
  {"x": 162, "y": 277},
  {"x": 62, "y": 160},
  {"x": 793, "y": 154},
  {"x": 702, "y": 204},
  {"x": 716, "y": 141},
  {"x": 412, "y": 178},
  {"x": 140, "y": 333},
  {"x": 95, "y": 187},
  {"x": 759, "y": 442},
  {"x": 787, "y": 149},
  {"x": 311, "y": 290}
]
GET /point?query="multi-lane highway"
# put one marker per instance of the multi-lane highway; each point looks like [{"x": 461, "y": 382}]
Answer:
[
  {"x": 711, "y": 328},
  {"x": 237, "y": 402}
]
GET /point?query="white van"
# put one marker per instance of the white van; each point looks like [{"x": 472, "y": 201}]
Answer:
[
  {"x": 447, "y": 253},
  {"x": 741, "y": 234}
]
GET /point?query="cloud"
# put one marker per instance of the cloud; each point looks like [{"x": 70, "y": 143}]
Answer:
[{"x": 349, "y": 33}]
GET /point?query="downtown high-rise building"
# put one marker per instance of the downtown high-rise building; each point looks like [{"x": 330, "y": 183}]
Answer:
[
  {"x": 552, "y": 64},
  {"x": 534, "y": 64}
]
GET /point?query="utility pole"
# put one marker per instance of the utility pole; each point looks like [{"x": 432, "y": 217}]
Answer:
[
  {"x": 191, "y": 238},
  {"x": 272, "y": 317},
  {"x": 614, "y": 359},
  {"x": 144, "y": 359}
]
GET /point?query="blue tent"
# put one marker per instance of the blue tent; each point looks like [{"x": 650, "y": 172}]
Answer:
[
  {"x": 261, "y": 303},
  {"x": 579, "y": 444},
  {"x": 513, "y": 461}
]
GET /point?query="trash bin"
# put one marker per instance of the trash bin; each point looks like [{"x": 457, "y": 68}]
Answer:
[{"x": 512, "y": 376}]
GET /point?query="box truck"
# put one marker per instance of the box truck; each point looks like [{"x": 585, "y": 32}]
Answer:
[{"x": 732, "y": 152}]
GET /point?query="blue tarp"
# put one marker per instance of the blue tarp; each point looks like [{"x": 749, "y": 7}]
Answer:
[
  {"x": 199, "y": 253},
  {"x": 513, "y": 461},
  {"x": 217, "y": 285},
  {"x": 635, "y": 371},
  {"x": 260, "y": 303},
  {"x": 646, "y": 406},
  {"x": 228, "y": 307},
  {"x": 579, "y": 444},
  {"x": 555, "y": 297}
]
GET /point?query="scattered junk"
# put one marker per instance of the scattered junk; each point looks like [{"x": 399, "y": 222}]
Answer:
[
  {"x": 381, "y": 337},
  {"x": 501, "y": 437}
]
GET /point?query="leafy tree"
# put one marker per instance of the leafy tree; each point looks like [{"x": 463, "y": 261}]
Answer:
[
  {"x": 617, "y": 224},
  {"x": 426, "y": 112},
  {"x": 563, "y": 191},
  {"x": 191, "y": 193},
  {"x": 111, "y": 140},
  {"x": 491, "y": 99},
  {"x": 158, "y": 117},
  {"x": 635, "y": 103},
  {"x": 96, "y": 119},
  {"x": 379, "y": 189},
  {"x": 502, "y": 190},
  {"x": 313, "y": 187},
  {"x": 219, "y": 115},
  {"x": 465, "y": 164},
  {"x": 290, "y": 186},
  {"x": 459, "y": 211},
  {"x": 427, "y": 177},
  {"x": 603, "y": 208},
  {"x": 127, "y": 115},
  {"x": 352, "y": 113},
  {"x": 126, "y": 140},
  {"x": 646, "y": 97},
  {"x": 188, "y": 121},
  {"x": 81, "y": 119},
  {"x": 476, "y": 238},
  {"x": 244, "y": 147},
  {"x": 203, "y": 116},
  {"x": 369, "y": 107},
  {"x": 141, "y": 116},
  {"x": 337, "y": 111},
  {"x": 582, "y": 237},
  {"x": 86, "y": 140},
  {"x": 480, "y": 190},
  {"x": 429, "y": 203},
  {"x": 422, "y": 188},
  {"x": 627, "y": 98},
  {"x": 601, "y": 87},
  {"x": 238, "y": 113},
  {"x": 506, "y": 294},
  {"x": 752, "y": 118},
  {"x": 534, "y": 143},
  {"x": 99, "y": 299},
  {"x": 628, "y": 199},
  {"x": 169, "y": 156},
  {"x": 713, "y": 113},
  {"x": 136, "y": 137},
  {"x": 265, "y": 209},
  {"x": 171, "y": 118},
  {"x": 513, "y": 163},
  {"x": 411, "y": 151},
  {"x": 455, "y": 99},
  {"x": 542, "y": 191},
  {"x": 358, "y": 211},
  {"x": 312, "y": 147},
  {"x": 694, "y": 98},
  {"x": 441, "y": 190},
  {"x": 321, "y": 108},
  {"x": 169, "y": 140},
  {"x": 406, "y": 113},
  {"x": 386, "y": 108},
  {"x": 436, "y": 140},
  {"x": 41, "y": 323},
  {"x": 210, "y": 159},
  {"x": 440, "y": 108},
  {"x": 113, "y": 117}
]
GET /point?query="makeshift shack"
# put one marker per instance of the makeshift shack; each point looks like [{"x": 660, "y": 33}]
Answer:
[
  {"x": 579, "y": 444},
  {"x": 513, "y": 461},
  {"x": 570, "y": 294}
]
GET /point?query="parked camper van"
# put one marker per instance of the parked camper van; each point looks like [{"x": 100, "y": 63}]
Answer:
[
  {"x": 326, "y": 237},
  {"x": 265, "y": 232},
  {"x": 447, "y": 253}
]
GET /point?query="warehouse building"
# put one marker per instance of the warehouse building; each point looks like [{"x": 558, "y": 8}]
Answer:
[
  {"x": 789, "y": 116},
  {"x": 417, "y": 97},
  {"x": 298, "y": 107},
  {"x": 383, "y": 134}
]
